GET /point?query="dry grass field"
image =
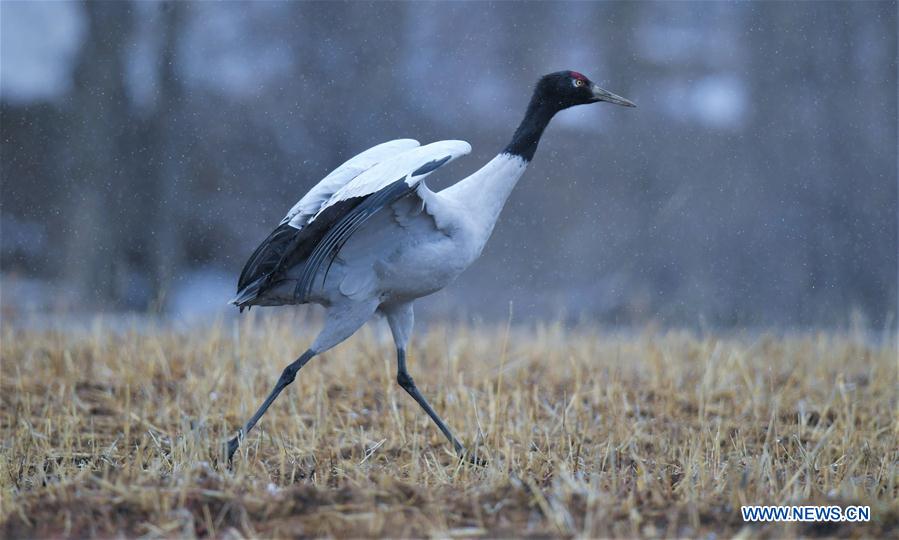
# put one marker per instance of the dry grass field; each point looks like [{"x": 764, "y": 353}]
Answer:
[{"x": 588, "y": 433}]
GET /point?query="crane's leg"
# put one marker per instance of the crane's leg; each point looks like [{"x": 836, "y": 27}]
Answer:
[
  {"x": 401, "y": 319},
  {"x": 342, "y": 321},
  {"x": 287, "y": 377}
]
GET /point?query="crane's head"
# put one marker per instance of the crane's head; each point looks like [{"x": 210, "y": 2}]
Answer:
[
  {"x": 564, "y": 89},
  {"x": 554, "y": 92}
]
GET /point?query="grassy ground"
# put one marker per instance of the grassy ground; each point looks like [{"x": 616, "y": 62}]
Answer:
[{"x": 588, "y": 433}]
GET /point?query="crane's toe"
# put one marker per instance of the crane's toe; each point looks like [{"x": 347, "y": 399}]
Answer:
[
  {"x": 473, "y": 458},
  {"x": 231, "y": 447}
]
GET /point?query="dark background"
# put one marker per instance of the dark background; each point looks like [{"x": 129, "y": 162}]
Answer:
[{"x": 148, "y": 147}]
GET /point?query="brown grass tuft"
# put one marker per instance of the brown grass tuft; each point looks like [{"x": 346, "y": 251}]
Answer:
[{"x": 588, "y": 433}]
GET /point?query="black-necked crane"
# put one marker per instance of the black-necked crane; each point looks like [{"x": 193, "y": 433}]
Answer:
[{"x": 371, "y": 237}]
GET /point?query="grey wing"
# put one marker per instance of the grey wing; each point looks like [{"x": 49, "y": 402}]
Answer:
[
  {"x": 291, "y": 239},
  {"x": 285, "y": 248},
  {"x": 322, "y": 237},
  {"x": 332, "y": 242},
  {"x": 315, "y": 198},
  {"x": 330, "y": 245},
  {"x": 313, "y": 246}
]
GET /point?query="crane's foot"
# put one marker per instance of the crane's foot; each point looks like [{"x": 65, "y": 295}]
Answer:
[
  {"x": 231, "y": 447},
  {"x": 471, "y": 458}
]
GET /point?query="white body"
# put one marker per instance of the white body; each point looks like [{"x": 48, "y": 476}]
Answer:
[
  {"x": 417, "y": 245},
  {"x": 424, "y": 242},
  {"x": 414, "y": 247}
]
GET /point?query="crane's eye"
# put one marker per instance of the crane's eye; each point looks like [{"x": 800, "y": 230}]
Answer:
[{"x": 579, "y": 82}]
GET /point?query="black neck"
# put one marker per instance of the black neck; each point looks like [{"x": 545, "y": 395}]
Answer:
[{"x": 524, "y": 142}]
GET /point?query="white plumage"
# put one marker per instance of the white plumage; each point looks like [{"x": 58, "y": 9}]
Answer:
[
  {"x": 312, "y": 202},
  {"x": 399, "y": 166}
]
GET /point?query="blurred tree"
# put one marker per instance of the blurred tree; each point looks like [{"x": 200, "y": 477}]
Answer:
[
  {"x": 96, "y": 174},
  {"x": 169, "y": 148}
]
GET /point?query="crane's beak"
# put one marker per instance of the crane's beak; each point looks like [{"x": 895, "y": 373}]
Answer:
[{"x": 604, "y": 95}]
